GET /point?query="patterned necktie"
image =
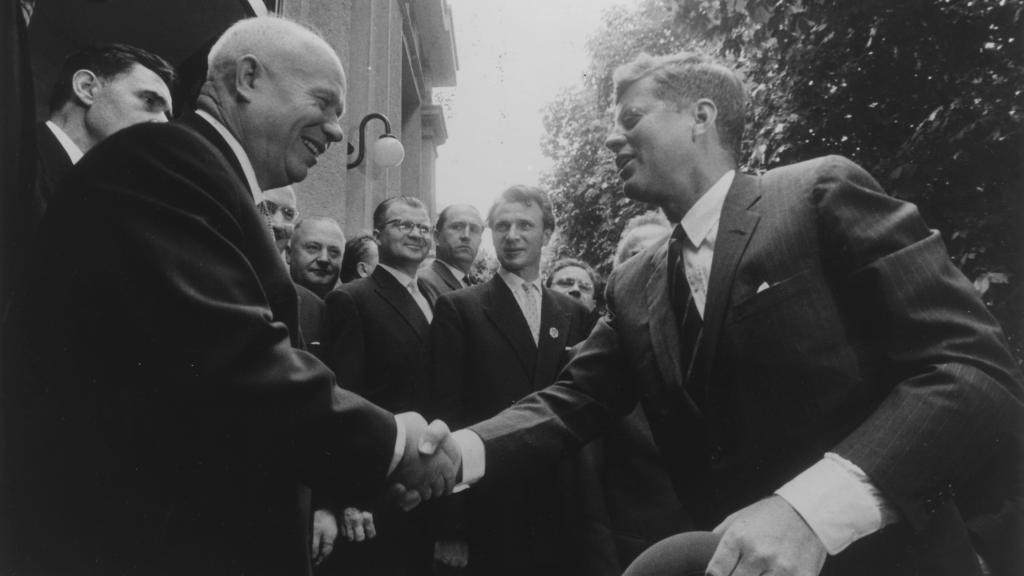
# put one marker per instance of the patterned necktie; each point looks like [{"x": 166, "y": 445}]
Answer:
[
  {"x": 691, "y": 327},
  {"x": 531, "y": 309}
]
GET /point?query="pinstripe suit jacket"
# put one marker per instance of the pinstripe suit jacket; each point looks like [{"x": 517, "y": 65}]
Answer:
[{"x": 867, "y": 342}]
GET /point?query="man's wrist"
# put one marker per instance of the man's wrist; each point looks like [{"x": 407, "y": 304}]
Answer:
[{"x": 473, "y": 457}]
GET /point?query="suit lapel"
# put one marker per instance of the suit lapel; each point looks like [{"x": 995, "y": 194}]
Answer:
[
  {"x": 503, "y": 311},
  {"x": 554, "y": 332},
  {"x": 396, "y": 295},
  {"x": 664, "y": 331},
  {"x": 735, "y": 229},
  {"x": 449, "y": 279}
]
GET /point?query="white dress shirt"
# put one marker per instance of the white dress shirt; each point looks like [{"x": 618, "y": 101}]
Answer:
[
  {"x": 528, "y": 296},
  {"x": 70, "y": 148},
  {"x": 412, "y": 286}
]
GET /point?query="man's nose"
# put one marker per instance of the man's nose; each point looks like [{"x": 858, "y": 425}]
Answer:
[
  {"x": 333, "y": 131},
  {"x": 615, "y": 140}
]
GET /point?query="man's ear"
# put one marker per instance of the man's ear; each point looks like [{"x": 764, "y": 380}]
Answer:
[
  {"x": 547, "y": 236},
  {"x": 362, "y": 269},
  {"x": 288, "y": 255},
  {"x": 704, "y": 115},
  {"x": 248, "y": 74},
  {"x": 84, "y": 84}
]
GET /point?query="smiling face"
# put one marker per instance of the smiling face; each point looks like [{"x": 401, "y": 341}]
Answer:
[
  {"x": 315, "y": 253},
  {"x": 458, "y": 240},
  {"x": 653, "y": 143},
  {"x": 132, "y": 97},
  {"x": 519, "y": 235},
  {"x": 296, "y": 98},
  {"x": 404, "y": 250},
  {"x": 576, "y": 282}
]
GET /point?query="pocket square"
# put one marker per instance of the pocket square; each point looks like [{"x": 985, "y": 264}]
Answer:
[{"x": 764, "y": 286}]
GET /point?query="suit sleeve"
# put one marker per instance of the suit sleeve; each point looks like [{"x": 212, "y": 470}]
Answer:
[
  {"x": 346, "y": 348},
  {"x": 592, "y": 390},
  {"x": 952, "y": 395},
  {"x": 179, "y": 219}
]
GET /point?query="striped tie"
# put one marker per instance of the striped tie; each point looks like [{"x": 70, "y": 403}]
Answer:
[{"x": 691, "y": 327}]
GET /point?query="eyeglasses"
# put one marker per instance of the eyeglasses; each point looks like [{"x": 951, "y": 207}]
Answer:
[
  {"x": 583, "y": 285},
  {"x": 288, "y": 212},
  {"x": 407, "y": 226}
]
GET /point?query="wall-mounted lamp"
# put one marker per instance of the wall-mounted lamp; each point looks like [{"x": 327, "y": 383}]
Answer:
[{"x": 387, "y": 150}]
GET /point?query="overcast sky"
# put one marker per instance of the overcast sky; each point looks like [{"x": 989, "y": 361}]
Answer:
[{"x": 514, "y": 57}]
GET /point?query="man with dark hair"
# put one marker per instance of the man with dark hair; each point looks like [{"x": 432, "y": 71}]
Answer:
[
  {"x": 491, "y": 345},
  {"x": 377, "y": 332},
  {"x": 315, "y": 254},
  {"x": 100, "y": 90},
  {"x": 163, "y": 418},
  {"x": 828, "y": 391},
  {"x": 574, "y": 278},
  {"x": 457, "y": 236},
  {"x": 361, "y": 257}
]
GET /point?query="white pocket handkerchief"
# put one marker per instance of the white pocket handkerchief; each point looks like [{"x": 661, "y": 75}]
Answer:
[{"x": 764, "y": 286}]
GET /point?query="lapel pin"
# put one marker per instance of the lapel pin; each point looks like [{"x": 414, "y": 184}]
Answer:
[{"x": 553, "y": 332}]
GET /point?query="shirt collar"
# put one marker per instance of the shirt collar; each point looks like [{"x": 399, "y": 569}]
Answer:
[
  {"x": 704, "y": 214},
  {"x": 459, "y": 274},
  {"x": 514, "y": 282},
  {"x": 243, "y": 158},
  {"x": 403, "y": 278},
  {"x": 73, "y": 151}
]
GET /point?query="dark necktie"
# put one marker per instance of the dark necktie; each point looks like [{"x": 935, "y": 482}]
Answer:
[{"x": 691, "y": 327}]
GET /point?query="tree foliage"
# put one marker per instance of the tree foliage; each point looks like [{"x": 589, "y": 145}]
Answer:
[{"x": 925, "y": 94}]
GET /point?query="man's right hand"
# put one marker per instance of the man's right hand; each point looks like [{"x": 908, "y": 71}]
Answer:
[
  {"x": 429, "y": 465},
  {"x": 451, "y": 553}
]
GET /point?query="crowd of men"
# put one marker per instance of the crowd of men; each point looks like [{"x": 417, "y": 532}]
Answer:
[{"x": 211, "y": 383}]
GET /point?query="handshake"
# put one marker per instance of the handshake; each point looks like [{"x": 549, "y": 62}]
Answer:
[{"x": 430, "y": 464}]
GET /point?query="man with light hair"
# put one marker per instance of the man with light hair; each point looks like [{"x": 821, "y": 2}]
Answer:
[
  {"x": 165, "y": 419},
  {"x": 828, "y": 392}
]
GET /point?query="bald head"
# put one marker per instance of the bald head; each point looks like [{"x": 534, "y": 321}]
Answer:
[{"x": 279, "y": 88}]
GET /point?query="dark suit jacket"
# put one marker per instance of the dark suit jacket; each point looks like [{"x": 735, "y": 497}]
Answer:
[
  {"x": 312, "y": 321},
  {"x": 436, "y": 280},
  {"x": 867, "y": 342},
  {"x": 483, "y": 360},
  {"x": 378, "y": 340},
  {"x": 378, "y": 347},
  {"x": 164, "y": 417}
]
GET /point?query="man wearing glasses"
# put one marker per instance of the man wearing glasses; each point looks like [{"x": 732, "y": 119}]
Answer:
[{"x": 377, "y": 329}]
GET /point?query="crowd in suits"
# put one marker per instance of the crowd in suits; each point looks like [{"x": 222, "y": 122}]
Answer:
[{"x": 274, "y": 374}]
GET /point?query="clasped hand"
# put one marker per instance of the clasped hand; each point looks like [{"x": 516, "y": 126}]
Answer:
[{"x": 430, "y": 464}]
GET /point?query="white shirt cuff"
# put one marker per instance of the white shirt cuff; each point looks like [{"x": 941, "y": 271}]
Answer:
[
  {"x": 399, "y": 445},
  {"x": 838, "y": 502},
  {"x": 473, "y": 457}
]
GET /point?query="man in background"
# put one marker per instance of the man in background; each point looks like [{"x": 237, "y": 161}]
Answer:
[
  {"x": 377, "y": 333},
  {"x": 491, "y": 345},
  {"x": 100, "y": 90},
  {"x": 361, "y": 257},
  {"x": 457, "y": 236},
  {"x": 314, "y": 254},
  {"x": 281, "y": 207}
]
